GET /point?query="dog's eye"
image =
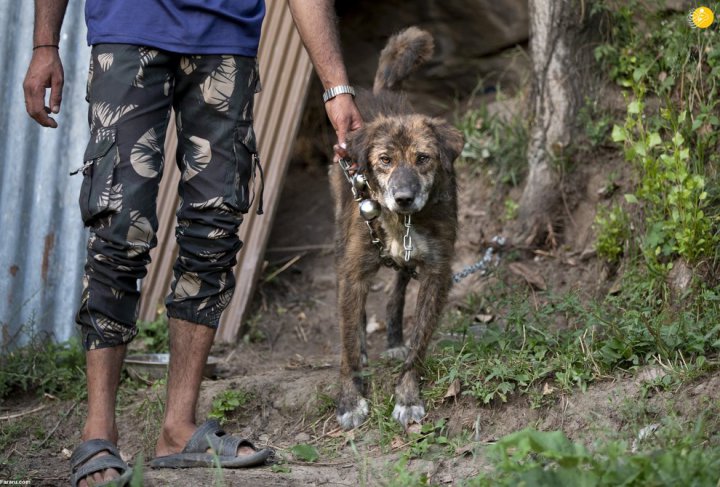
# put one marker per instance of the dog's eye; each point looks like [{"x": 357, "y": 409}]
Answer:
[
  {"x": 423, "y": 158},
  {"x": 385, "y": 160}
]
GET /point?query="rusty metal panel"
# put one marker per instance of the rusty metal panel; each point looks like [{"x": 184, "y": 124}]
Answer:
[
  {"x": 285, "y": 73},
  {"x": 41, "y": 235}
]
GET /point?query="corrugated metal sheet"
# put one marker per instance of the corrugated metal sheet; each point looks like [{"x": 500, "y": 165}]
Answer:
[
  {"x": 285, "y": 73},
  {"x": 41, "y": 235}
]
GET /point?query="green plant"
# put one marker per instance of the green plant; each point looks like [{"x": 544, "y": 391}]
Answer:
[
  {"x": 400, "y": 476},
  {"x": 43, "y": 366},
  {"x": 597, "y": 125},
  {"x": 522, "y": 356},
  {"x": 537, "y": 458},
  {"x": 153, "y": 336},
  {"x": 500, "y": 141},
  {"x": 673, "y": 148},
  {"x": 227, "y": 402},
  {"x": 613, "y": 230},
  {"x": 671, "y": 187},
  {"x": 305, "y": 452},
  {"x": 511, "y": 209},
  {"x": 430, "y": 434}
]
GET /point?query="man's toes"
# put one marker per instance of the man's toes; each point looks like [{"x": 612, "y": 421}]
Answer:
[
  {"x": 110, "y": 474},
  {"x": 244, "y": 450},
  {"x": 352, "y": 416},
  {"x": 406, "y": 414}
]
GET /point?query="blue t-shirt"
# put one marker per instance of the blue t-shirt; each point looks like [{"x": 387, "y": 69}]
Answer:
[{"x": 181, "y": 26}]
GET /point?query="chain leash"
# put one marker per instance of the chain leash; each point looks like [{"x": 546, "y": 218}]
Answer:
[{"x": 370, "y": 209}]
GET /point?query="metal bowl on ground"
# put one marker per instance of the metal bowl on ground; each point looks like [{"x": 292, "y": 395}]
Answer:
[{"x": 154, "y": 365}]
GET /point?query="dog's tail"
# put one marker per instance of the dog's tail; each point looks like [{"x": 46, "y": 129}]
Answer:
[{"x": 404, "y": 52}]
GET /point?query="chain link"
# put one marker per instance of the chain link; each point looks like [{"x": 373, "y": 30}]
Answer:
[
  {"x": 407, "y": 239},
  {"x": 482, "y": 265}
]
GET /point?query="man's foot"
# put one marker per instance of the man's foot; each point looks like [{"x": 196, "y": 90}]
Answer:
[
  {"x": 173, "y": 440},
  {"x": 205, "y": 446},
  {"x": 96, "y": 462}
]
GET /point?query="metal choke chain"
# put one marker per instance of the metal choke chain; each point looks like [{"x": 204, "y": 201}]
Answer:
[{"x": 370, "y": 209}]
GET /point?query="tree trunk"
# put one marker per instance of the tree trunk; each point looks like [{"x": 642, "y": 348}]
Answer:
[{"x": 561, "y": 55}]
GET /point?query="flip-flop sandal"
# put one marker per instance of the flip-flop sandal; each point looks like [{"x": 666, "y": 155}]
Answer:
[
  {"x": 83, "y": 465},
  {"x": 224, "y": 446}
]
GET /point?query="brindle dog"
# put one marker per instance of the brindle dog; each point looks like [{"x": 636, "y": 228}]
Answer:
[{"x": 407, "y": 159}]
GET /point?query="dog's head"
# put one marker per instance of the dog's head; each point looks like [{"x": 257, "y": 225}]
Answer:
[{"x": 405, "y": 156}]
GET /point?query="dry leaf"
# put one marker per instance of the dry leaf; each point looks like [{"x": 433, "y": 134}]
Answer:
[
  {"x": 466, "y": 450},
  {"x": 484, "y": 318},
  {"x": 616, "y": 287},
  {"x": 547, "y": 389},
  {"x": 414, "y": 428},
  {"x": 337, "y": 432},
  {"x": 66, "y": 453},
  {"x": 453, "y": 390},
  {"x": 532, "y": 277},
  {"x": 397, "y": 442}
]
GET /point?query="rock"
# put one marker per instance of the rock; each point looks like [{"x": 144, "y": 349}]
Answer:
[
  {"x": 302, "y": 437},
  {"x": 679, "y": 279}
]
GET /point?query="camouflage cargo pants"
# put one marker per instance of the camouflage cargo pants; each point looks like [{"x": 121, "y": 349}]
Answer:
[{"x": 131, "y": 91}]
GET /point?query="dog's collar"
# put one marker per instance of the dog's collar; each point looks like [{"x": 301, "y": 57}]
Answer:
[{"x": 370, "y": 209}]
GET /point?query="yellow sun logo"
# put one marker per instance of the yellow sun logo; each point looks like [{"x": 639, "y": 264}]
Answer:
[{"x": 701, "y": 17}]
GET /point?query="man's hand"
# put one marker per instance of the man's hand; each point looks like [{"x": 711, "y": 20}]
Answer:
[
  {"x": 345, "y": 117},
  {"x": 45, "y": 71},
  {"x": 316, "y": 23}
]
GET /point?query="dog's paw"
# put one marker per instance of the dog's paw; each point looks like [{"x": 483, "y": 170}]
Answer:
[
  {"x": 396, "y": 353},
  {"x": 406, "y": 414},
  {"x": 352, "y": 418}
]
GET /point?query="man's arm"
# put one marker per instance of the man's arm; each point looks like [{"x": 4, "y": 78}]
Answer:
[
  {"x": 45, "y": 70},
  {"x": 316, "y": 22}
]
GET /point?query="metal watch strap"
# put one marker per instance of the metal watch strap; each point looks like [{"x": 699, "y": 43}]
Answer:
[{"x": 331, "y": 93}]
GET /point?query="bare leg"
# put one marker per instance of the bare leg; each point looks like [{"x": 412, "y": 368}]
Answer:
[
  {"x": 103, "y": 379},
  {"x": 189, "y": 348}
]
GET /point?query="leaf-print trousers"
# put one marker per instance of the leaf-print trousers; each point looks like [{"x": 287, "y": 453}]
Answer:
[{"x": 131, "y": 91}]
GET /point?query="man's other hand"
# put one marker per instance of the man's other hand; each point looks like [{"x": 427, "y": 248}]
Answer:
[{"x": 45, "y": 71}]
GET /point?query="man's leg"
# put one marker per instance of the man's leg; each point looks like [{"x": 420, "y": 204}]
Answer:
[
  {"x": 128, "y": 93},
  {"x": 189, "y": 348},
  {"x": 216, "y": 152},
  {"x": 103, "y": 379}
]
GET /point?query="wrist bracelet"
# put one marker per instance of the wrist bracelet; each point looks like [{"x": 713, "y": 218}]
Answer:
[
  {"x": 46, "y": 45},
  {"x": 331, "y": 93}
]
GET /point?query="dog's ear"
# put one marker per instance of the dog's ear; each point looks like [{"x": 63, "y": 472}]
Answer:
[
  {"x": 450, "y": 142},
  {"x": 358, "y": 143}
]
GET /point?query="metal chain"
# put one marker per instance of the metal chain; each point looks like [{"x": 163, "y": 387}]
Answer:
[
  {"x": 407, "y": 239},
  {"x": 386, "y": 260},
  {"x": 482, "y": 265}
]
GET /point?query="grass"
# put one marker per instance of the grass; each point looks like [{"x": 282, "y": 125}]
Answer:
[
  {"x": 43, "y": 366},
  {"x": 676, "y": 454},
  {"x": 525, "y": 354},
  {"x": 496, "y": 142}
]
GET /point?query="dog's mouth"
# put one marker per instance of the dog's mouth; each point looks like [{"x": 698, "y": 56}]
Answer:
[{"x": 405, "y": 206}]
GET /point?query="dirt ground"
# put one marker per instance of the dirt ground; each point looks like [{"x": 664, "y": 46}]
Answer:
[{"x": 288, "y": 362}]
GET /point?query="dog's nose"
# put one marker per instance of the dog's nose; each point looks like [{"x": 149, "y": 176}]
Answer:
[{"x": 404, "y": 198}]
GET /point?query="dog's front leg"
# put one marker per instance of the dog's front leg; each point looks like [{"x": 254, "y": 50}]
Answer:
[
  {"x": 432, "y": 295},
  {"x": 352, "y": 293},
  {"x": 396, "y": 348}
]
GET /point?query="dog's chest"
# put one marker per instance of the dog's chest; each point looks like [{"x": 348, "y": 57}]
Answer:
[{"x": 396, "y": 239}]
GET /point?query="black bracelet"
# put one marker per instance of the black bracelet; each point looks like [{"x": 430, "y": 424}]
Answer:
[{"x": 46, "y": 45}]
